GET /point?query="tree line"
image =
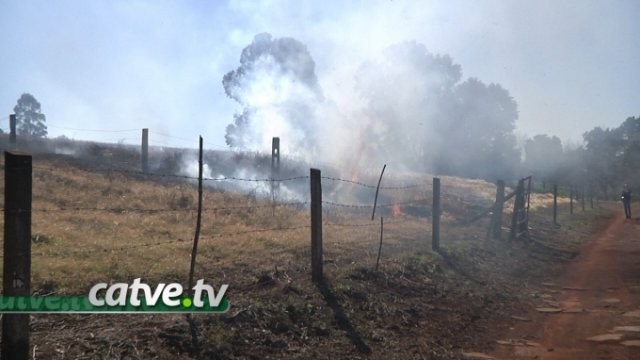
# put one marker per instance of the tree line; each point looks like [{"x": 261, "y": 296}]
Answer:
[{"x": 608, "y": 159}]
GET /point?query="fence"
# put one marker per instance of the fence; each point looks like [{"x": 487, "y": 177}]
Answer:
[{"x": 426, "y": 201}]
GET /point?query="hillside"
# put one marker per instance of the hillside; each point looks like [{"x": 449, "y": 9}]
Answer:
[{"x": 101, "y": 224}]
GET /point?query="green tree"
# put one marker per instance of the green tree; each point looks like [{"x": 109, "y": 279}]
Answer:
[
  {"x": 603, "y": 158},
  {"x": 480, "y": 131},
  {"x": 29, "y": 118}
]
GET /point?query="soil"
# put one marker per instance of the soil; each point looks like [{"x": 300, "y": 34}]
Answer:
[{"x": 592, "y": 311}]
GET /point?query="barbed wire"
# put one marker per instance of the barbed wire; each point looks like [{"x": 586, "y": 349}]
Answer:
[
  {"x": 370, "y": 186},
  {"x": 233, "y": 178},
  {"x": 367, "y": 224},
  {"x": 124, "y": 210},
  {"x": 194, "y": 141},
  {"x": 373, "y": 223},
  {"x": 220, "y": 235},
  {"x": 92, "y": 130},
  {"x": 224, "y": 178},
  {"x": 369, "y": 206},
  {"x": 178, "y": 241}
]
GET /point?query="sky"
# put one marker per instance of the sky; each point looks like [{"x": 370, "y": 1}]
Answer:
[{"x": 125, "y": 65}]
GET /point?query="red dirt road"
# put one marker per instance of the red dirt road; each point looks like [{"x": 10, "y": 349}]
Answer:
[{"x": 594, "y": 307}]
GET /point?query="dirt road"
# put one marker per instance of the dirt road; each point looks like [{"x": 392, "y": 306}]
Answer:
[{"x": 593, "y": 310}]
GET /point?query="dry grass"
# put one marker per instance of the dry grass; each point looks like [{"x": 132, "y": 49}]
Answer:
[
  {"x": 74, "y": 249},
  {"x": 275, "y": 307}
]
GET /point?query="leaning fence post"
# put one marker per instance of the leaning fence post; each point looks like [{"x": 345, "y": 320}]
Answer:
[
  {"x": 145, "y": 150},
  {"x": 316, "y": 226},
  {"x": 12, "y": 131},
  {"x": 435, "y": 217},
  {"x": 497, "y": 210},
  {"x": 555, "y": 204},
  {"x": 17, "y": 251}
]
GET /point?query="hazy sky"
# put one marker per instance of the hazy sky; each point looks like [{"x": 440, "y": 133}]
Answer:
[{"x": 119, "y": 65}]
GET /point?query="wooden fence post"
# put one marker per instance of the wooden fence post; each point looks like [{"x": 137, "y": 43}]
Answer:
[
  {"x": 17, "y": 251},
  {"x": 12, "y": 132},
  {"x": 555, "y": 204},
  {"x": 196, "y": 237},
  {"x": 518, "y": 207},
  {"x": 582, "y": 200},
  {"x": 275, "y": 168},
  {"x": 497, "y": 211},
  {"x": 571, "y": 199},
  {"x": 375, "y": 199},
  {"x": 145, "y": 151},
  {"x": 435, "y": 217},
  {"x": 275, "y": 158},
  {"x": 525, "y": 223},
  {"x": 316, "y": 226},
  {"x": 380, "y": 246}
]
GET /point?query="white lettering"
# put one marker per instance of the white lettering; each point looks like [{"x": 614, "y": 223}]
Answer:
[
  {"x": 214, "y": 300},
  {"x": 135, "y": 289},
  {"x": 121, "y": 300},
  {"x": 171, "y": 292},
  {"x": 93, "y": 294}
]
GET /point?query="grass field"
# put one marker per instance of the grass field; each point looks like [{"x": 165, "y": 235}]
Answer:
[{"x": 93, "y": 226}]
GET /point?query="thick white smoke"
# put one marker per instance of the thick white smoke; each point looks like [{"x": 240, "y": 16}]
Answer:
[{"x": 415, "y": 112}]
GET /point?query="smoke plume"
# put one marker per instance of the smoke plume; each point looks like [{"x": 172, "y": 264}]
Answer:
[
  {"x": 415, "y": 112},
  {"x": 276, "y": 86}
]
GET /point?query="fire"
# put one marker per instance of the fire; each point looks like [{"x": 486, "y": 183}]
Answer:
[{"x": 396, "y": 210}]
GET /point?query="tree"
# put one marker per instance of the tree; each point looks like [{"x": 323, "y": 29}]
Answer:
[
  {"x": 406, "y": 92},
  {"x": 480, "y": 131},
  {"x": 29, "y": 119},
  {"x": 420, "y": 112},
  {"x": 276, "y": 86},
  {"x": 543, "y": 155}
]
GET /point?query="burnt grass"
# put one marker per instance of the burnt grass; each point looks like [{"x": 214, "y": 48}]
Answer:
[{"x": 423, "y": 305}]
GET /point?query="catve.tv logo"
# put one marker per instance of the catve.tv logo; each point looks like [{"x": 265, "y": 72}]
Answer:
[{"x": 124, "y": 298}]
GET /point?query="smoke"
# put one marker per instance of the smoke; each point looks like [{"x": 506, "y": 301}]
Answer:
[
  {"x": 191, "y": 168},
  {"x": 406, "y": 92},
  {"x": 413, "y": 112},
  {"x": 276, "y": 86}
]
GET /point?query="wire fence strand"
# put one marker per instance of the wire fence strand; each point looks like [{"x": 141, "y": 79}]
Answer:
[{"x": 370, "y": 186}]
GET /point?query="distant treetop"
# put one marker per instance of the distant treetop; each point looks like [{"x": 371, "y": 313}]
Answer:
[{"x": 29, "y": 118}]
